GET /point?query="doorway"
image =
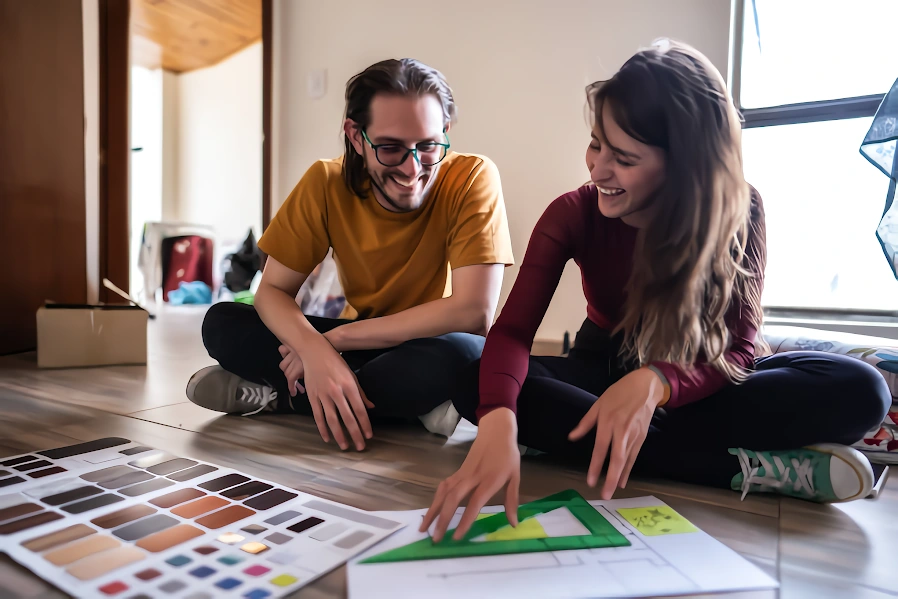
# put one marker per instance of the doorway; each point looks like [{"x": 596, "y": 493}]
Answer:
[{"x": 197, "y": 91}]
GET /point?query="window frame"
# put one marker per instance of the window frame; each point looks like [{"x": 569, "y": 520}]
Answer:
[{"x": 791, "y": 114}]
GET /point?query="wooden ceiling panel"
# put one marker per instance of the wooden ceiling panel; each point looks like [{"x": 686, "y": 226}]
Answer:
[{"x": 183, "y": 35}]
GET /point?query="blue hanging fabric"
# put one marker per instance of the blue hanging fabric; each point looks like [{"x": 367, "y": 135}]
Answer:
[{"x": 879, "y": 147}]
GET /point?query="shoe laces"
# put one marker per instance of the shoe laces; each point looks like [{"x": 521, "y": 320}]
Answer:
[
  {"x": 799, "y": 473},
  {"x": 258, "y": 395}
]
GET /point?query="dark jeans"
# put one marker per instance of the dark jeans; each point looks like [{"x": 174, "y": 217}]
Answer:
[
  {"x": 793, "y": 399},
  {"x": 402, "y": 382}
]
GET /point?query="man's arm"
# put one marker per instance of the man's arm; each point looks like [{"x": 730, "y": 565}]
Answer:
[
  {"x": 275, "y": 301},
  {"x": 331, "y": 387},
  {"x": 470, "y": 309}
]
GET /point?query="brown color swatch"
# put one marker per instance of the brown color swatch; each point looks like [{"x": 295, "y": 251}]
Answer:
[
  {"x": 171, "y": 466},
  {"x": 246, "y": 490},
  {"x": 151, "y": 460},
  {"x": 19, "y": 460},
  {"x": 131, "y": 478},
  {"x": 223, "y": 482},
  {"x": 226, "y": 516},
  {"x": 146, "y": 527},
  {"x": 129, "y": 514},
  {"x": 105, "y": 474},
  {"x": 270, "y": 499},
  {"x": 147, "y": 487},
  {"x": 47, "y": 472},
  {"x": 33, "y": 466},
  {"x": 71, "y": 495},
  {"x": 12, "y": 480},
  {"x": 17, "y": 511},
  {"x": 29, "y": 522},
  {"x": 103, "y": 563},
  {"x": 57, "y": 538},
  {"x": 169, "y": 538},
  {"x": 148, "y": 574},
  {"x": 199, "y": 507},
  {"x": 192, "y": 473},
  {"x": 92, "y": 503},
  {"x": 177, "y": 497},
  {"x": 89, "y": 546}
]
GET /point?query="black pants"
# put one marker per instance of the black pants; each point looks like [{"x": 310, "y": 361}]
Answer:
[
  {"x": 402, "y": 382},
  {"x": 792, "y": 400}
]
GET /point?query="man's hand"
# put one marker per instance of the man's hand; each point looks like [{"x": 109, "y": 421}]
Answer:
[
  {"x": 292, "y": 368},
  {"x": 334, "y": 393}
]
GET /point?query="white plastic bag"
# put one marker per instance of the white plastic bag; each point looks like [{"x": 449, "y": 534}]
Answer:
[{"x": 321, "y": 294}]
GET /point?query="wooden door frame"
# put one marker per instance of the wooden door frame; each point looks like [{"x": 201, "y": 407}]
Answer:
[
  {"x": 115, "y": 148},
  {"x": 267, "y": 51}
]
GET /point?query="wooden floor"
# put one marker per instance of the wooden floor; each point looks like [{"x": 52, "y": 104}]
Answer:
[{"x": 848, "y": 550}]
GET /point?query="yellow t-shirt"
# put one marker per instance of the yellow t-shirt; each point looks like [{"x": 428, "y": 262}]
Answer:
[{"x": 387, "y": 261}]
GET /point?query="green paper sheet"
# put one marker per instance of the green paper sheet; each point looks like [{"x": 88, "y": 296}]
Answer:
[{"x": 602, "y": 534}]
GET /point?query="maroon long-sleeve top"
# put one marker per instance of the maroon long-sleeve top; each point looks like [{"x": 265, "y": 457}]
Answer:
[{"x": 573, "y": 228}]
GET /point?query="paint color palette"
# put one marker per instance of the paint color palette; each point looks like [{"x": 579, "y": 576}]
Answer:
[{"x": 112, "y": 518}]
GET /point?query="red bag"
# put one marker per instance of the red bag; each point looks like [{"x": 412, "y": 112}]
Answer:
[{"x": 187, "y": 258}]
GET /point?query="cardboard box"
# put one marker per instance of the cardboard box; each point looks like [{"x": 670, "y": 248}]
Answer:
[{"x": 74, "y": 335}]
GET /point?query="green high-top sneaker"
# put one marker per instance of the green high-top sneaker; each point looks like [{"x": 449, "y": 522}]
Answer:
[{"x": 825, "y": 473}]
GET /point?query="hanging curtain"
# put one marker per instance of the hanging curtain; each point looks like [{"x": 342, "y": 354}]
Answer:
[{"x": 879, "y": 148}]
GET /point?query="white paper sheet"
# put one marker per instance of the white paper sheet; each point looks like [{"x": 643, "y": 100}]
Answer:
[{"x": 669, "y": 564}]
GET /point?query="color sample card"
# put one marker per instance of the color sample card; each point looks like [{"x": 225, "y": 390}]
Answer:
[{"x": 112, "y": 518}]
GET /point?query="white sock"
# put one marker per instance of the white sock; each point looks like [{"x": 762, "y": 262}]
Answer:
[{"x": 442, "y": 420}]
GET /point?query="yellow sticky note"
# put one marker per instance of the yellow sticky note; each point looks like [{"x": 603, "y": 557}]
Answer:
[{"x": 658, "y": 520}]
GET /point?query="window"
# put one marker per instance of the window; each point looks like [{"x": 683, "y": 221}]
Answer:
[{"x": 808, "y": 75}]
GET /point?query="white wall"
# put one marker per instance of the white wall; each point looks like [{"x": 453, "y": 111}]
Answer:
[
  {"x": 518, "y": 72},
  {"x": 171, "y": 128},
  {"x": 219, "y": 169},
  {"x": 146, "y": 164}
]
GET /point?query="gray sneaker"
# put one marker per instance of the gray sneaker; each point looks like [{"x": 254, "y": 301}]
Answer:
[{"x": 214, "y": 388}]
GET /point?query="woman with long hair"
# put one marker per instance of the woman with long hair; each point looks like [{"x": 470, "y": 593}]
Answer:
[{"x": 667, "y": 376}]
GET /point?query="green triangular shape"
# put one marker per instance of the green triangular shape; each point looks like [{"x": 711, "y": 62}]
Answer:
[{"x": 602, "y": 534}]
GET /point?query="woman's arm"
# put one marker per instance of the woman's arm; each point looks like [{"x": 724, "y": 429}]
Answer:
[
  {"x": 506, "y": 354},
  {"x": 494, "y": 460}
]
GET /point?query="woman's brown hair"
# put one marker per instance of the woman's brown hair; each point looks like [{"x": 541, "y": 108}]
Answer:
[{"x": 690, "y": 263}]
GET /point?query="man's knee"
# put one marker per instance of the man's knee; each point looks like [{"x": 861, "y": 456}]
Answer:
[
  {"x": 466, "y": 392},
  {"x": 457, "y": 349},
  {"x": 219, "y": 324}
]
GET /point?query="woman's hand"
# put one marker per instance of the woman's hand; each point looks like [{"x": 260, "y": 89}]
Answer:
[
  {"x": 621, "y": 417},
  {"x": 493, "y": 461}
]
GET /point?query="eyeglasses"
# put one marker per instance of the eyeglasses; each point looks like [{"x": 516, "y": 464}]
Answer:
[{"x": 426, "y": 153}]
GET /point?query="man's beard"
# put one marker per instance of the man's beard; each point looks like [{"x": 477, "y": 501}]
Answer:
[{"x": 395, "y": 205}]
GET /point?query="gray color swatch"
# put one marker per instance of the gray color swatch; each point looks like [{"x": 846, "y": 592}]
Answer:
[{"x": 354, "y": 516}]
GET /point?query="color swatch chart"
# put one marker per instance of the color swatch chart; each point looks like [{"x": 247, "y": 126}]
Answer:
[{"x": 110, "y": 518}]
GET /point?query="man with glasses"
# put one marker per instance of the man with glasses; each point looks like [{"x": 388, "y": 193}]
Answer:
[{"x": 420, "y": 238}]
